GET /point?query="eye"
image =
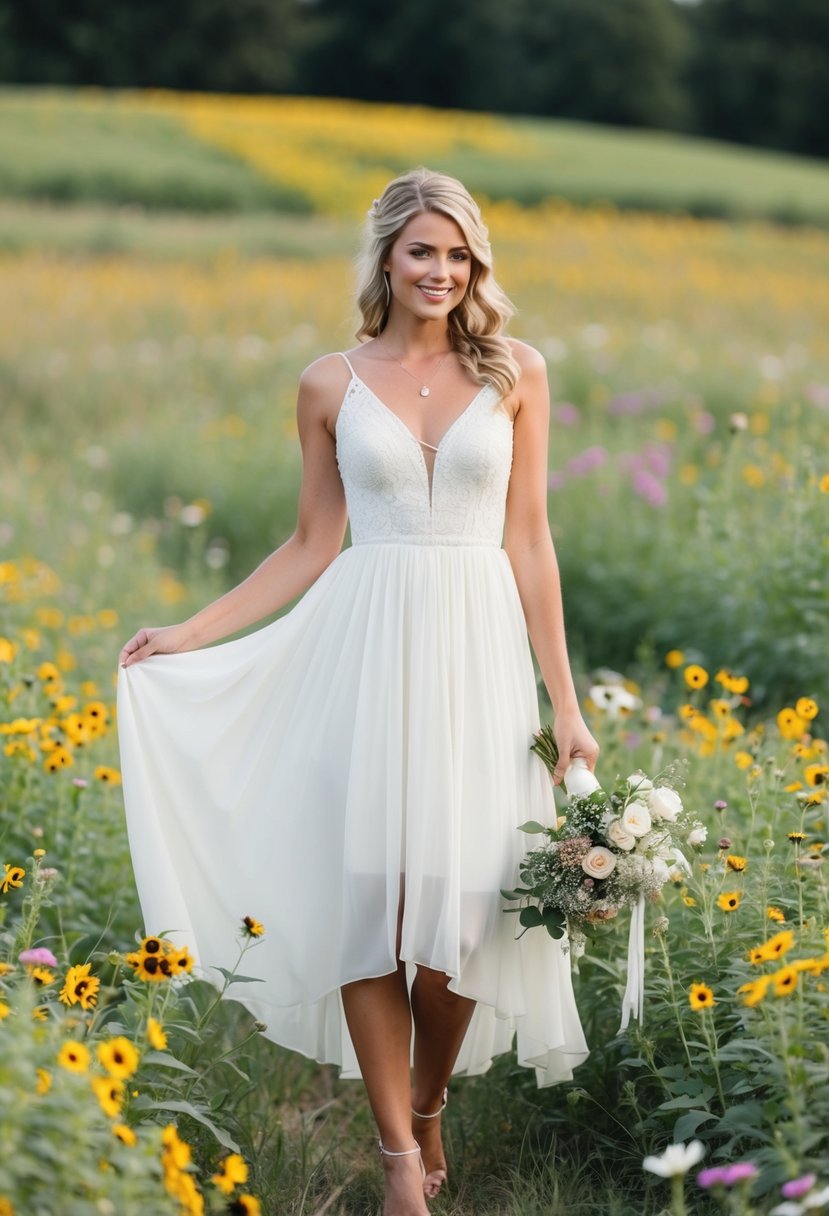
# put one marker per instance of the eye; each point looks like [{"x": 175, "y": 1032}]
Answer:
[
  {"x": 416, "y": 253},
  {"x": 460, "y": 256}
]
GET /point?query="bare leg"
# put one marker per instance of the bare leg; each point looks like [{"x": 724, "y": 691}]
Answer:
[{"x": 441, "y": 1019}]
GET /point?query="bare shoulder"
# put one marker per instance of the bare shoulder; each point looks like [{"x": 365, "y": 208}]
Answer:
[
  {"x": 530, "y": 360},
  {"x": 322, "y": 386}
]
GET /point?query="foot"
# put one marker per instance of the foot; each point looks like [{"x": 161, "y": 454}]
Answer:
[
  {"x": 404, "y": 1183},
  {"x": 426, "y": 1131}
]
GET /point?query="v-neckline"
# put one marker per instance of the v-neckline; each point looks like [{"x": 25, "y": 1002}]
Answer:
[{"x": 430, "y": 480}]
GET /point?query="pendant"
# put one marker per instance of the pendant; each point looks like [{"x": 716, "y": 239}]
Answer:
[{"x": 424, "y": 392}]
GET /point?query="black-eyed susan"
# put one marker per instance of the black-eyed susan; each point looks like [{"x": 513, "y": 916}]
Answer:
[
  {"x": 251, "y": 927},
  {"x": 153, "y": 945},
  {"x": 729, "y": 901},
  {"x": 109, "y": 776},
  {"x": 177, "y": 1152},
  {"x": 784, "y": 981},
  {"x": 44, "y": 1081},
  {"x": 148, "y": 967},
  {"x": 756, "y": 955},
  {"x": 700, "y": 996},
  {"x": 155, "y": 1035},
  {"x": 125, "y": 1134},
  {"x": 736, "y": 863},
  {"x": 796, "y": 837},
  {"x": 790, "y": 724},
  {"x": 775, "y": 914},
  {"x": 719, "y": 707},
  {"x": 80, "y": 987},
  {"x": 755, "y": 990},
  {"x": 806, "y": 707},
  {"x": 5, "y": 1010},
  {"x": 816, "y": 774},
  {"x": 59, "y": 757},
  {"x": 181, "y": 961},
  {"x": 689, "y": 901},
  {"x": 40, "y": 1013},
  {"x": 42, "y": 976},
  {"x": 119, "y": 1056},
  {"x": 245, "y": 1205},
  {"x": 233, "y": 1172},
  {"x": 12, "y": 877},
  {"x": 695, "y": 676},
  {"x": 743, "y": 759},
  {"x": 74, "y": 1056},
  {"x": 674, "y": 659},
  {"x": 110, "y": 1093},
  {"x": 778, "y": 945}
]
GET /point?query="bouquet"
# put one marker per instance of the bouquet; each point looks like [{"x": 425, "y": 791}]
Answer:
[{"x": 609, "y": 851}]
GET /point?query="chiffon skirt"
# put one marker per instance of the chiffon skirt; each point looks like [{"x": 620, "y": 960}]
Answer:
[{"x": 368, "y": 747}]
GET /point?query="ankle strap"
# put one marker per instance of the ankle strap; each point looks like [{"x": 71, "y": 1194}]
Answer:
[
  {"x": 406, "y": 1152},
  {"x": 437, "y": 1112}
]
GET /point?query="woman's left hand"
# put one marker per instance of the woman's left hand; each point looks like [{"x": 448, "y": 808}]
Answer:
[{"x": 574, "y": 740}]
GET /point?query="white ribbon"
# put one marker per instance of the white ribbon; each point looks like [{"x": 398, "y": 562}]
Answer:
[{"x": 633, "y": 1002}]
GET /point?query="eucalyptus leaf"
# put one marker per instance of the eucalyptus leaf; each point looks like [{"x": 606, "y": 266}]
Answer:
[
  {"x": 532, "y": 827},
  {"x": 531, "y": 917}
]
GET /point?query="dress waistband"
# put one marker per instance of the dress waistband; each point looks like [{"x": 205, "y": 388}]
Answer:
[{"x": 435, "y": 542}]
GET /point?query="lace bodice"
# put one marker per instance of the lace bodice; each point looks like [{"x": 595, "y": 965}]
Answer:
[{"x": 389, "y": 492}]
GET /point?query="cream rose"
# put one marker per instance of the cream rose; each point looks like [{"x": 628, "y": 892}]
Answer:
[
  {"x": 636, "y": 819},
  {"x": 617, "y": 834},
  {"x": 664, "y": 803},
  {"x": 639, "y": 783},
  {"x": 698, "y": 834},
  {"x": 578, "y": 780},
  {"x": 599, "y": 862}
]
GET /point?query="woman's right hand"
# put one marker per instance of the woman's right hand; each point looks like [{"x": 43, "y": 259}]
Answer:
[{"x": 168, "y": 639}]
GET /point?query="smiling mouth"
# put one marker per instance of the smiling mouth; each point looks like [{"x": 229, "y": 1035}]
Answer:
[{"x": 434, "y": 293}]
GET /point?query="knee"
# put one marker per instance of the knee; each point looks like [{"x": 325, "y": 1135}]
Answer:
[{"x": 434, "y": 986}]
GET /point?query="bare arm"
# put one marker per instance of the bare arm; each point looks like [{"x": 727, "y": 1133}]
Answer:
[
  {"x": 530, "y": 549},
  {"x": 295, "y": 565}
]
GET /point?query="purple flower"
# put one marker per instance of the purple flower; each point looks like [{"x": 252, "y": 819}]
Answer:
[
  {"x": 80, "y": 783},
  {"x": 704, "y": 422},
  {"x": 650, "y": 488},
  {"x": 659, "y": 457},
  {"x": 586, "y": 461},
  {"x": 720, "y": 804},
  {"x": 713, "y": 1176},
  {"x": 627, "y": 403},
  {"x": 38, "y": 956},
  {"x": 567, "y": 414},
  {"x": 741, "y": 1171},
  {"x": 798, "y": 1187}
]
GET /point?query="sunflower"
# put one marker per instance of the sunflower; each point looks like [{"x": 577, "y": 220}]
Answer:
[
  {"x": 13, "y": 877},
  {"x": 153, "y": 945},
  {"x": 42, "y": 976},
  {"x": 736, "y": 863},
  {"x": 695, "y": 676},
  {"x": 797, "y": 837},
  {"x": 5, "y": 1010},
  {"x": 148, "y": 967},
  {"x": 80, "y": 987},
  {"x": 124, "y": 1133},
  {"x": 743, "y": 759},
  {"x": 182, "y": 961},
  {"x": 817, "y": 774},
  {"x": 40, "y": 1013},
  {"x": 233, "y": 1172},
  {"x": 110, "y": 1093},
  {"x": 784, "y": 980},
  {"x": 155, "y": 1034},
  {"x": 252, "y": 928},
  {"x": 754, "y": 991},
  {"x": 701, "y": 996},
  {"x": 176, "y": 1153},
  {"x": 110, "y": 776},
  {"x": 775, "y": 914},
  {"x": 729, "y": 901},
  {"x": 790, "y": 724},
  {"x": 245, "y": 1205},
  {"x": 73, "y": 1056},
  {"x": 806, "y": 707},
  {"x": 119, "y": 1057},
  {"x": 44, "y": 1081}
]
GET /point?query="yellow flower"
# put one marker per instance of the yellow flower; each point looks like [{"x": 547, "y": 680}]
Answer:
[
  {"x": 13, "y": 877},
  {"x": 701, "y": 996},
  {"x": 689, "y": 901},
  {"x": 743, "y": 759},
  {"x": 7, "y": 650},
  {"x": 44, "y": 1081},
  {"x": 796, "y": 837},
  {"x": 182, "y": 961},
  {"x": 775, "y": 914},
  {"x": 790, "y": 724},
  {"x": 152, "y": 968},
  {"x": 729, "y": 901},
  {"x": 245, "y": 1205},
  {"x": 785, "y": 981},
  {"x": 6, "y": 1208},
  {"x": 719, "y": 707},
  {"x": 177, "y": 1151},
  {"x": 816, "y": 774},
  {"x": 59, "y": 757},
  {"x": 110, "y": 1093},
  {"x": 5, "y": 1010},
  {"x": 823, "y": 484},
  {"x": 793, "y": 787},
  {"x": 42, "y": 976},
  {"x": 674, "y": 658},
  {"x": 777, "y": 946},
  {"x": 74, "y": 1056},
  {"x": 124, "y": 1133},
  {"x": 156, "y": 1036},
  {"x": 234, "y": 1172},
  {"x": 80, "y": 987},
  {"x": 119, "y": 1057},
  {"x": 40, "y": 1013},
  {"x": 110, "y": 776},
  {"x": 735, "y": 863},
  {"x": 5, "y": 968},
  {"x": 754, "y": 991},
  {"x": 695, "y": 676},
  {"x": 253, "y": 928},
  {"x": 806, "y": 708}
]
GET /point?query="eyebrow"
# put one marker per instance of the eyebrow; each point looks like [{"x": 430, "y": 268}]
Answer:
[{"x": 425, "y": 245}]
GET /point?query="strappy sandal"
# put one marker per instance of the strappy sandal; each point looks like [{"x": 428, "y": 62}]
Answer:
[
  {"x": 431, "y": 1189},
  {"x": 406, "y": 1152}
]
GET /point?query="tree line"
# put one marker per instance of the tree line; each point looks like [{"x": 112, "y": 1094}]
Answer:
[{"x": 752, "y": 71}]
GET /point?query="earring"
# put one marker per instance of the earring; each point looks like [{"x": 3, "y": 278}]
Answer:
[{"x": 388, "y": 288}]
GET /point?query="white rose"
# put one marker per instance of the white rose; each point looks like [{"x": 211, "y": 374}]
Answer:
[
  {"x": 618, "y": 835},
  {"x": 664, "y": 803},
  {"x": 636, "y": 819},
  {"x": 599, "y": 862},
  {"x": 639, "y": 783},
  {"x": 578, "y": 780},
  {"x": 698, "y": 835},
  {"x": 660, "y": 870}
]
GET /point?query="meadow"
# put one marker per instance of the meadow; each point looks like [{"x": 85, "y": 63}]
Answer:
[{"x": 153, "y": 326}]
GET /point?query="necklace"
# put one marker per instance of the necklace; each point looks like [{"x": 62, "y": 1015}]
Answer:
[{"x": 424, "y": 387}]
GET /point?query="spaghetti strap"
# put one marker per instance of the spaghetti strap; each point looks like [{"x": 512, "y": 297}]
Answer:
[{"x": 348, "y": 363}]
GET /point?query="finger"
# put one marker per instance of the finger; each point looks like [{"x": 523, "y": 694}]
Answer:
[{"x": 562, "y": 764}]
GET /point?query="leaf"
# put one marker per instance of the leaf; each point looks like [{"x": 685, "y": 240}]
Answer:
[
  {"x": 687, "y": 1124},
  {"x": 687, "y": 1101},
  {"x": 554, "y": 922},
  {"x": 743, "y": 1116},
  {"x": 186, "y": 1108},
  {"x": 532, "y": 827},
  {"x": 518, "y": 893},
  {"x": 232, "y": 978},
  {"x": 166, "y": 1061},
  {"x": 531, "y": 917}
]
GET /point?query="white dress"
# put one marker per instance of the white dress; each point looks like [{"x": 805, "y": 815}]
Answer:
[{"x": 373, "y": 739}]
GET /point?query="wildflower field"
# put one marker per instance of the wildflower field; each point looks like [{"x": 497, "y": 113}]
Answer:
[{"x": 149, "y": 457}]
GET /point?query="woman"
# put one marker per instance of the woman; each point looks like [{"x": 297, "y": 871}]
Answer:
[{"x": 354, "y": 772}]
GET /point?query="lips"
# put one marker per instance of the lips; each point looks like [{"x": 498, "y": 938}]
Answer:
[{"x": 434, "y": 293}]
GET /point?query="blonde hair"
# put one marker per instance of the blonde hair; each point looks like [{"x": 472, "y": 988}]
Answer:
[{"x": 476, "y": 324}]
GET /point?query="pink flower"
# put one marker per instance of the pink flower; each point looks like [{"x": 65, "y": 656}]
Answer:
[
  {"x": 80, "y": 783},
  {"x": 798, "y": 1187},
  {"x": 650, "y": 488},
  {"x": 713, "y": 1176},
  {"x": 567, "y": 414},
  {"x": 38, "y": 956},
  {"x": 741, "y": 1171}
]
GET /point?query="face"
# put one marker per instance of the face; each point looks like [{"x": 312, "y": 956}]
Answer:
[{"x": 429, "y": 266}]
